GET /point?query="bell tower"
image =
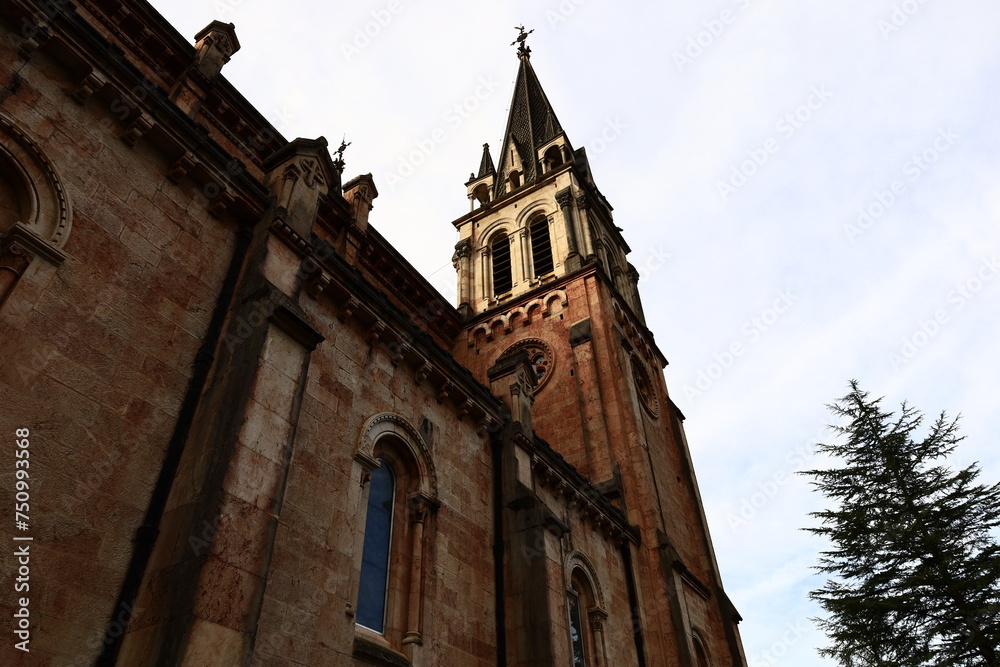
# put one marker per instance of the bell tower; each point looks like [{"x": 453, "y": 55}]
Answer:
[
  {"x": 542, "y": 267},
  {"x": 538, "y": 215}
]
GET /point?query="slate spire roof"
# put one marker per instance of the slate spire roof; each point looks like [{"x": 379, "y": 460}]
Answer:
[
  {"x": 486, "y": 165},
  {"x": 530, "y": 125}
]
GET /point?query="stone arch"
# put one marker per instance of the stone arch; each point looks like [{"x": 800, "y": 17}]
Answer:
[
  {"x": 576, "y": 561},
  {"x": 481, "y": 328},
  {"x": 505, "y": 226},
  {"x": 37, "y": 207},
  {"x": 498, "y": 327},
  {"x": 532, "y": 210},
  {"x": 388, "y": 423},
  {"x": 558, "y": 296},
  {"x": 701, "y": 654},
  {"x": 532, "y": 308}
]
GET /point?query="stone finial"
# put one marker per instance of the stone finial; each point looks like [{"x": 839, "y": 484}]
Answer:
[
  {"x": 360, "y": 191},
  {"x": 215, "y": 44}
]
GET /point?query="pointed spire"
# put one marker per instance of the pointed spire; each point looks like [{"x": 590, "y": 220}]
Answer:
[
  {"x": 486, "y": 165},
  {"x": 531, "y": 122}
]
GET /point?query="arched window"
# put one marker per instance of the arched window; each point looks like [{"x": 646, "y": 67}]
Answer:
[
  {"x": 700, "y": 655},
  {"x": 392, "y": 556},
  {"x": 584, "y": 618},
  {"x": 375, "y": 554},
  {"x": 552, "y": 158},
  {"x": 502, "y": 278},
  {"x": 541, "y": 247},
  {"x": 482, "y": 194},
  {"x": 576, "y": 631},
  {"x": 515, "y": 179}
]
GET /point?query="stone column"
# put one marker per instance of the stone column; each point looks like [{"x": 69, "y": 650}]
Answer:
[
  {"x": 461, "y": 260},
  {"x": 420, "y": 507},
  {"x": 14, "y": 261},
  {"x": 633, "y": 281},
  {"x": 597, "y": 618},
  {"x": 526, "y": 267},
  {"x": 565, "y": 200},
  {"x": 583, "y": 205},
  {"x": 485, "y": 277},
  {"x": 357, "y": 499}
]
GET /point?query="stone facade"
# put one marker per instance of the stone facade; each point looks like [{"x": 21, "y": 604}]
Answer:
[{"x": 213, "y": 352}]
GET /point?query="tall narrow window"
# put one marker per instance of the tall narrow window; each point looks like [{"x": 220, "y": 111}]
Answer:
[
  {"x": 375, "y": 554},
  {"x": 541, "y": 247},
  {"x": 500, "y": 250},
  {"x": 576, "y": 632},
  {"x": 701, "y": 657}
]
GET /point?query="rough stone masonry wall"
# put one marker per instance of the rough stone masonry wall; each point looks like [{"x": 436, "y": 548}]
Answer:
[
  {"x": 96, "y": 353},
  {"x": 588, "y": 411},
  {"x": 312, "y": 577}
]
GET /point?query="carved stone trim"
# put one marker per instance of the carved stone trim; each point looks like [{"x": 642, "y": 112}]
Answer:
[
  {"x": 644, "y": 387},
  {"x": 577, "y": 560},
  {"x": 541, "y": 357},
  {"x": 142, "y": 124},
  {"x": 348, "y": 309},
  {"x": 181, "y": 167},
  {"x": 14, "y": 258},
  {"x": 385, "y": 423},
  {"x": 49, "y": 216},
  {"x": 27, "y": 239},
  {"x": 90, "y": 84}
]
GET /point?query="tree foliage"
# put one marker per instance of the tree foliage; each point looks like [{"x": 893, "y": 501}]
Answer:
[{"x": 914, "y": 563}]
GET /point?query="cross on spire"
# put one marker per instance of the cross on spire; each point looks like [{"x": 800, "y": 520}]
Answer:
[
  {"x": 523, "y": 50},
  {"x": 338, "y": 162}
]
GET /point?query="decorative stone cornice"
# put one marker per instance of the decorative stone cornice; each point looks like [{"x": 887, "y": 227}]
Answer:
[
  {"x": 553, "y": 472},
  {"x": 90, "y": 84}
]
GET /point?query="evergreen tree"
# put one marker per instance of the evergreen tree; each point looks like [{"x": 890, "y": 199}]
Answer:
[{"x": 914, "y": 563}]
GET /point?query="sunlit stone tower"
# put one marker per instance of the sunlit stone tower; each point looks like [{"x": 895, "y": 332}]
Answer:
[{"x": 542, "y": 268}]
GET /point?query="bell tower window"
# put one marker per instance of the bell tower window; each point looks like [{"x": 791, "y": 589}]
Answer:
[
  {"x": 541, "y": 247},
  {"x": 502, "y": 278},
  {"x": 552, "y": 158}
]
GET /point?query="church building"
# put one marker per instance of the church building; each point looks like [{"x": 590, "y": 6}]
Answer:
[{"x": 253, "y": 434}]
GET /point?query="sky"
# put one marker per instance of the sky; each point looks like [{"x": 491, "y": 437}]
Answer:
[{"x": 811, "y": 192}]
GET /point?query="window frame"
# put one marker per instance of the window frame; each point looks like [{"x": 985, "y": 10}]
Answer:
[
  {"x": 501, "y": 239},
  {"x": 541, "y": 222},
  {"x": 387, "y": 578}
]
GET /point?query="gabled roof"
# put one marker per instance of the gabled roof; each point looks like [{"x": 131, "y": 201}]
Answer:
[{"x": 530, "y": 125}]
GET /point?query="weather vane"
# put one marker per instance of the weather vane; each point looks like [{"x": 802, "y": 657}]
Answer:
[
  {"x": 522, "y": 49},
  {"x": 338, "y": 163}
]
